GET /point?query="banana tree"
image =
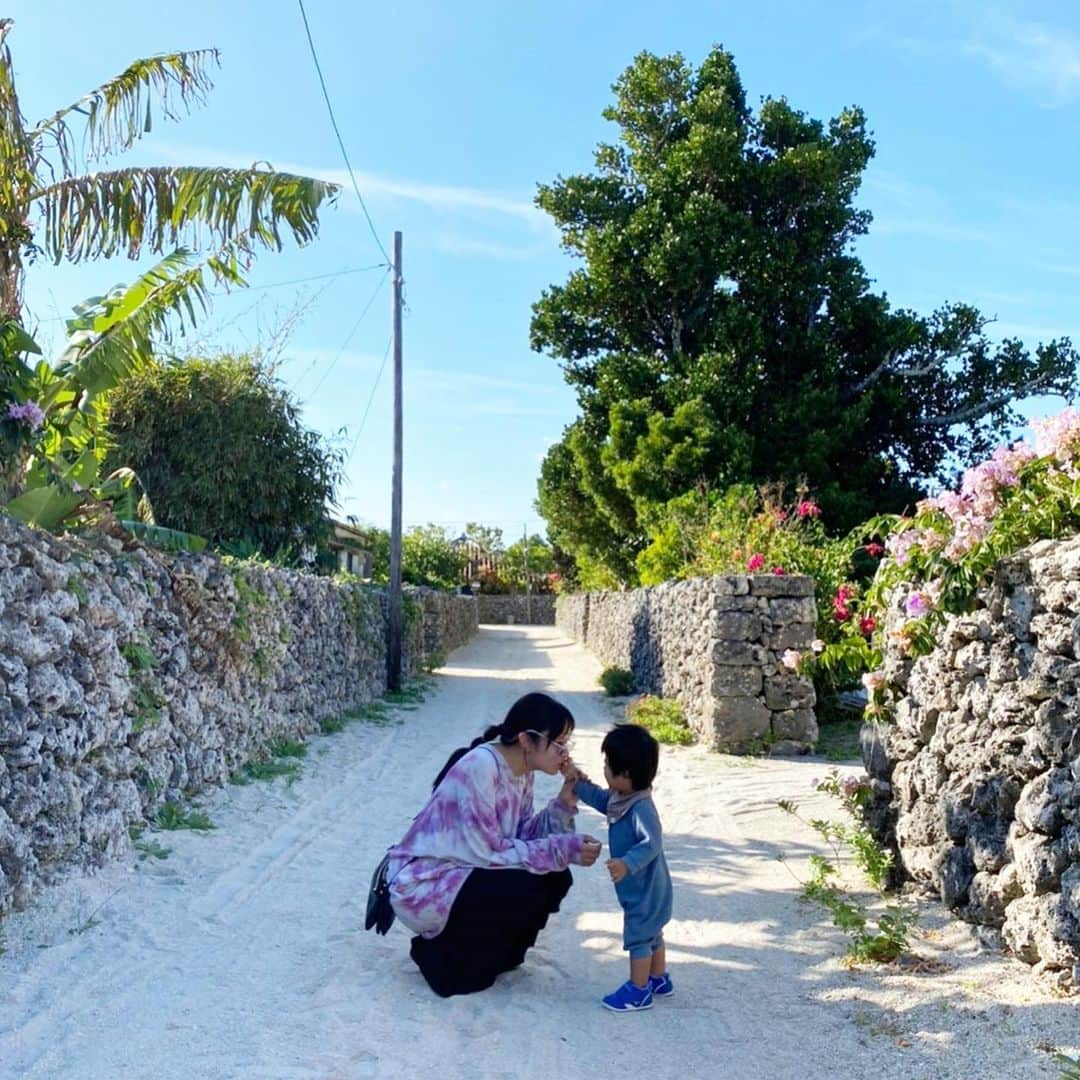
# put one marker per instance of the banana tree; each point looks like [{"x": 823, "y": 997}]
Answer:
[
  {"x": 58, "y": 415},
  {"x": 51, "y": 205}
]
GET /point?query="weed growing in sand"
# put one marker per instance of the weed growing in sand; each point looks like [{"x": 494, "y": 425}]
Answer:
[
  {"x": 172, "y": 817},
  {"x": 868, "y": 944}
]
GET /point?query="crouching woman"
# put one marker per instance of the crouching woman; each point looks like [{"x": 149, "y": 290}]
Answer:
[{"x": 479, "y": 872}]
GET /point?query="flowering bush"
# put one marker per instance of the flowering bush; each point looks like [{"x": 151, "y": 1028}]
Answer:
[{"x": 937, "y": 559}]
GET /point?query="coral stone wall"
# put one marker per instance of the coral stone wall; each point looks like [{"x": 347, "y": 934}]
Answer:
[
  {"x": 715, "y": 645},
  {"x": 128, "y": 678},
  {"x": 978, "y": 779},
  {"x": 537, "y": 610}
]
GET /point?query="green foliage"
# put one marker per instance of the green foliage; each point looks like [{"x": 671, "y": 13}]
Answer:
[
  {"x": 151, "y": 849},
  {"x": 886, "y": 941},
  {"x": 265, "y": 770},
  {"x": 49, "y": 207},
  {"x": 287, "y": 748},
  {"x": 719, "y": 327},
  {"x": 616, "y": 681},
  {"x": 663, "y": 718},
  {"x": 220, "y": 451},
  {"x": 428, "y": 557},
  {"x": 1070, "y": 1067},
  {"x": 171, "y": 816},
  {"x": 139, "y": 657}
]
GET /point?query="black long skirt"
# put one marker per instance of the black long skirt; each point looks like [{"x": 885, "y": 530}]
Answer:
[{"x": 493, "y": 923}]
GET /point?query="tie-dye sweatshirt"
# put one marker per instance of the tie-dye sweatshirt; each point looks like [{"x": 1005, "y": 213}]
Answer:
[{"x": 481, "y": 815}]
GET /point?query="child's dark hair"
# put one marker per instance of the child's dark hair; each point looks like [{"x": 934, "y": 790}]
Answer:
[
  {"x": 631, "y": 751},
  {"x": 533, "y": 712}
]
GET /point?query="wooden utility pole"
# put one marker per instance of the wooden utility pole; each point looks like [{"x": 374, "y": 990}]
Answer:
[
  {"x": 528, "y": 580},
  {"x": 396, "y": 619}
]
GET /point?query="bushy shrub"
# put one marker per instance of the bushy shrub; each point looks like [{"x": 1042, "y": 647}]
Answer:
[
  {"x": 220, "y": 451},
  {"x": 663, "y": 718},
  {"x": 616, "y": 681}
]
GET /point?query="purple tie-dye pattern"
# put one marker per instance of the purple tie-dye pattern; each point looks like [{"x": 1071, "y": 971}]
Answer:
[{"x": 481, "y": 815}]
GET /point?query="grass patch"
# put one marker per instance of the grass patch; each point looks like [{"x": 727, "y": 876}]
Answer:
[
  {"x": 663, "y": 718},
  {"x": 410, "y": 695},
  {"x": 172, "y": 817},
  {"x": 265, "y": 770},
  {"x": 616, "y": 681},
  {"x": 151, "y": 849},
  {"x": 287, "y": 748}
]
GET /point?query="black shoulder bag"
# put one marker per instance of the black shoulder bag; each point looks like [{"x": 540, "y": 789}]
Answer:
[{"x": 380, "y": 915}]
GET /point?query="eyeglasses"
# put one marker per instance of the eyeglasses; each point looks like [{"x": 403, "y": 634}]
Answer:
[{"x": 562, "y": 747}]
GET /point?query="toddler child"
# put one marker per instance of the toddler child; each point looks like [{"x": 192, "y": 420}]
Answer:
[{"x": 637, "y": 865}]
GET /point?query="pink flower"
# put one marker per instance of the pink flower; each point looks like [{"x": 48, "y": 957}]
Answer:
[
  {"x": 808, "y": 508},
  {"x": 867, "y": 625},
  {"x": 779, "y": 571},
  {"x": 850, "y": 786},
  {"x": 874, "y": 549},
  {"x": 756, "y": 562},
  {"x": 918, "y": 605},
  {"x": 791, "y": 659},
  {"x": 874, "y": 680}
]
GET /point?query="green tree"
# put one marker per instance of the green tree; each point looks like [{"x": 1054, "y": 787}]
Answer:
[
  {"x": 526, "y": 561},
  {"x": 220, "y": 451},
  {"x": 721, "y": 329},
  {"x": 429, "y": 557}
]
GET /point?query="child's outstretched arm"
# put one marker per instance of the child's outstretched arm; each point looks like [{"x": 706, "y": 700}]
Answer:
[{"x": 592, "y": 795}]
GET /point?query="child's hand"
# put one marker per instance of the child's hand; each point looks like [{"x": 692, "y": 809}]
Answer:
[
  {"x": 571, "y": 773},
  {"x": 617, "y": 869}
]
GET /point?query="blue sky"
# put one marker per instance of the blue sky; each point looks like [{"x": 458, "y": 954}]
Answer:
[{"x": 453, "y": 112}]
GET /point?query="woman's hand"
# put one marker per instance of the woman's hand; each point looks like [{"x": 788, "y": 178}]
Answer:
[{"x": 590, "y": 851}]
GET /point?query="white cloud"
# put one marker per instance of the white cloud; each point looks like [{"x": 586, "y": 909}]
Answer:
[
  {"x": 1028, "y": 55},
  {"x": 442, "y": 197}
]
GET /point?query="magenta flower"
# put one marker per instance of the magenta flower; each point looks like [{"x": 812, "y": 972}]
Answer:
[
  {"x": 808, "y": 508},
  {"x": 756, "y": 562}
]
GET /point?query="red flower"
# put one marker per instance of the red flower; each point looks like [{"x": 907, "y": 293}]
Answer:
[
  {"x": 808, "y": 508},
  {"x": 867, "y": 625},
  {"x": 779, "y": 571},
  {"x": 841, "y": 612},
  {"x": 875, "y": 549},
  {"x": 756, "y": 562}
]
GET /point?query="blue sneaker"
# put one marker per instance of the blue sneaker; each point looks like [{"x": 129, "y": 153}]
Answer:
[
  {"x": 661, "y": 985},
  {"x": 629, "y": 998}
]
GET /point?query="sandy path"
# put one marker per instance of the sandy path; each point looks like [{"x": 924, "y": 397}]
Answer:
[{"x": 242, "y": 954}]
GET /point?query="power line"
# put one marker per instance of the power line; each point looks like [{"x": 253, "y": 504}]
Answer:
[
  {"x": 337, "y": 132},
  {"x": 314, "y": 277},
  {"x": 352, "y": 332},
  {"x": 367, "y": 407}
]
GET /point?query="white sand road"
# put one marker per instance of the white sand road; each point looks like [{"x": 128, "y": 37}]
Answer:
[{"x": 242, "y": 954}]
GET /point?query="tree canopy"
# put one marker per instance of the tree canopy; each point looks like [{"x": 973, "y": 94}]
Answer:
[
  {"x": 220, "y": 451},
  {"x": 721, "y": 329}
]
